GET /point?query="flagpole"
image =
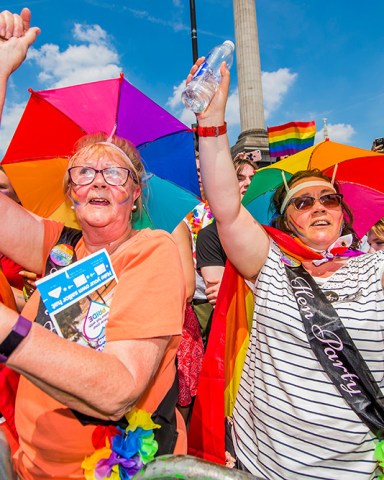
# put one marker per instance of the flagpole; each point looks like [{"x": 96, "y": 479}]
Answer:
[
  {"x": 195, "y": 54},
  {"x": 192, "y": 10},
  {"x": 326, "y": 136}
]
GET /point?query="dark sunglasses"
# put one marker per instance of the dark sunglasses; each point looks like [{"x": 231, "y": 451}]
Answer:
[{"x": 330, "y": 200}]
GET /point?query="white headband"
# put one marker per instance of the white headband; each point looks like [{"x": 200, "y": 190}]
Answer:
[
  {"x": 110, "y": 144},
  {"x": 313, "y": 183}
]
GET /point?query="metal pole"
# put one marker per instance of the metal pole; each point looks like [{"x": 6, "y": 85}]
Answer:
[{"x": 195, "y": 54}]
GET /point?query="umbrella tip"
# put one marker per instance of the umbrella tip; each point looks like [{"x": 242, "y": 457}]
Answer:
[{"x": 121, "y": 75}]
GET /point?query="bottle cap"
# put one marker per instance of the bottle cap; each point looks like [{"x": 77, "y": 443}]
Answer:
[{"x": 230, "y": 44}]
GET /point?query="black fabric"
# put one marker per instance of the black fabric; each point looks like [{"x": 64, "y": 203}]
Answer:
[
  {"x": 165, "y": 416},
  {"x": 336, "y": 351},
  {"x": 69, "y": 236},
  {"x": 209, "y": 251}
]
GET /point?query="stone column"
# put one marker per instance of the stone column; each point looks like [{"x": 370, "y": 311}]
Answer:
[{"x": 253, "y": 134}]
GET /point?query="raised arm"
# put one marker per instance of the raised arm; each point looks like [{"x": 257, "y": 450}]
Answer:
[
  {"x": 243, "y": 239},
  {"x": 16, "y": 36},
  {"x": 22, "y": 235}
]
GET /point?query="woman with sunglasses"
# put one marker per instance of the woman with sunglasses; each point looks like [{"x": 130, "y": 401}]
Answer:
[
  {"x": 102, "y": 404},
  {"x": 291, "y": 420}
]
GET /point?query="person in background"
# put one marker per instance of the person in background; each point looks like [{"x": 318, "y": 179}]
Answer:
[
  {"x": 316, "y": 295},
  {"x": 254, "y": 157},
  {"x": 197, "y": 219},
  {"x": 210, "y": 255},
  {"x": 375, "y": 237},
  {"x": 378, "y": 145},
  {"x": 67, "y": 422}
]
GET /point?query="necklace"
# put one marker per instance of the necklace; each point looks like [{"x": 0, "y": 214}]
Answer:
[{"x": 113, "y": 246}]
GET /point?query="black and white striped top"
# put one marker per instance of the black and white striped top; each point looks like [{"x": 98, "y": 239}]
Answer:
[{"x": 290, "y": 422}]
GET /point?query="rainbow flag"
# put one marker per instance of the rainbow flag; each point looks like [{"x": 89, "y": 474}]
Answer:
[
  {"x": 291, "y": 138},
  {"x": 222, "y": 367}
]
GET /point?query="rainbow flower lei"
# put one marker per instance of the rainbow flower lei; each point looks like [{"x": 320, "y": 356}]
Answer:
[
  {"x": 198, "y": 218},
  {"x": 120, "y": 454}
]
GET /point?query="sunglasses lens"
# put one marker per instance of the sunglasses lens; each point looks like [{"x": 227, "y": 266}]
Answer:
[
  {"x": 332, "y": 200},
  {"x": 303, "y": 203}
]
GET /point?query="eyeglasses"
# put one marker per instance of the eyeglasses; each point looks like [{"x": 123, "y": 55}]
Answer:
[
  {"x": 115, "y": 176},
  {"x": 330, "y": 200}
]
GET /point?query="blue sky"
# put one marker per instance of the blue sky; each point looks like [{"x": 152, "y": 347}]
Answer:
[{"x": 320, "y": 59}]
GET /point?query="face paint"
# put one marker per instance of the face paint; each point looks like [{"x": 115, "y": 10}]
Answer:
[
  {"x": 125, "y": 198},
  {"x": 295, "y": 228},
  {"x": 73, "y": 196}
]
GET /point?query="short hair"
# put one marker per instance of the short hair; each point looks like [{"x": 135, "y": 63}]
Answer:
[{"x": 240, "y": 163}]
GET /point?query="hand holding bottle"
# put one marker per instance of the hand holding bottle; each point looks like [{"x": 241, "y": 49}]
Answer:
[
  {"x": 206, "y": 78},
  {"x": 214, "y": 114}
]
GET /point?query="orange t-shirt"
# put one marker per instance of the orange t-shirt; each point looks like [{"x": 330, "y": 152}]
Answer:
[
  {"x": 148, "y": 302},
  {"x": 6, "y": 294}
]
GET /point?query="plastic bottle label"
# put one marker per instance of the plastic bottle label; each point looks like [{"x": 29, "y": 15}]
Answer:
[{"x": 201, "y": 70}]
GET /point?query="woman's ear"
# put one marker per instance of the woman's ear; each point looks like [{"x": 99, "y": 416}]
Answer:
[
  {"x": 136, "y": 194},
  {"x": 70, "y": 198}
]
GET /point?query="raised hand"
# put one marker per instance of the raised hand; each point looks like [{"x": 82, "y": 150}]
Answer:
[
  {"x": 215, "y": 112},
  {"x": 16, "y": 36}
]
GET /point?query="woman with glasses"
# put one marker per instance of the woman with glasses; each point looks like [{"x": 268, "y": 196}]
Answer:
[
  {"x": 102, "y": 404},
  {"x": 302, "y": 411}
]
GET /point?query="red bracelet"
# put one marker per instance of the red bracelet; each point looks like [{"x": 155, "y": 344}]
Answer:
[{"x": 211, "y": 131}]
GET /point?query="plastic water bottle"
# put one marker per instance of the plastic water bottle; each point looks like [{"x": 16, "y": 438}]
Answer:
[{"x": 203, "y": 85}]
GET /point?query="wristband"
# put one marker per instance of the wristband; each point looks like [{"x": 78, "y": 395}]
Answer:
[
  {"x": 211, "y": 131},
  {"x": 19, "y": 331}
]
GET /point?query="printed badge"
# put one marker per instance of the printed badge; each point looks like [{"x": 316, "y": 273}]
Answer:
[{"x": 62, "y": 254}]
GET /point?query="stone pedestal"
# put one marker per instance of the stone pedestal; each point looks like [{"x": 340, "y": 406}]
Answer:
[{"x": 255, "y": 139}]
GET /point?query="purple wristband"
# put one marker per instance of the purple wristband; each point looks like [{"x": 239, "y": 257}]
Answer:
[{"x": 19, "y": 331}]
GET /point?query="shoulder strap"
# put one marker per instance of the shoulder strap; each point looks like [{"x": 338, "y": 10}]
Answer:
[
  {"x": 336, "y": 351},
  {"x": 61, "y": 255}
]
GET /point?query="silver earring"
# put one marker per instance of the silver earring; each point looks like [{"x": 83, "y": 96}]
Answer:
[
  {"x": 134, "y": 208},
  {"x": 72, "y": 207}
]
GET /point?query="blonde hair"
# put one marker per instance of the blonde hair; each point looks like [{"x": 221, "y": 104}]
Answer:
[
  {"x": 100, "y": 145},
  {"x": 378, "y": 228}
]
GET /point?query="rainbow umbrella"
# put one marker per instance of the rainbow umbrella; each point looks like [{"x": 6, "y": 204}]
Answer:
[
  {"x": 359, "y": 175},
  {"x": 54, "y": 120}
]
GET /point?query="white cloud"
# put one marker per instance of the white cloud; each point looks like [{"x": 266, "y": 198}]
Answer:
[
  {"x": 95, "y": 59},
  {"x": 90, "y": 34},
  {"x": 275, "y": 86},
  {"x": 338, "y": 132}
]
